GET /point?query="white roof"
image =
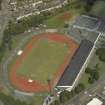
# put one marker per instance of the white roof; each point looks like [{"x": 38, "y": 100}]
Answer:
[
  {"x": 19, "y": 52},
  {"x": 95, "y": 101}
]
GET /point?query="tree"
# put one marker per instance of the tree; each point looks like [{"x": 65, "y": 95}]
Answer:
[
  {"x": 64, "y": 96},
  {"x": 88, "y": 70},
  {"x": 101, "y": 54},
  {"x": 66, "y": 25},
  {"x": 9, "y": 100},
  {"x": 79, "y": 88},
  {"x": 0, "y": 4},
  {"x": 7, "y": 40},
  {"x": 96, "y": 76},
  {"x": 56, "y": 102},
  {"x": 91, "y": 80},
  {"x": 89, "y": 4}
]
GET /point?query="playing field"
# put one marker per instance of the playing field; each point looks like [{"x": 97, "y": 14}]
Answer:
[{"x": 43, "y": 60}]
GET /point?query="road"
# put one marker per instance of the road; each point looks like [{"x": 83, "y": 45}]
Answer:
[{"x": 5, "y": 16}]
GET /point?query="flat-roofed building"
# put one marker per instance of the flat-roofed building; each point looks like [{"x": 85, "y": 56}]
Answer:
[
  {"x": 77, "y": 65},
  {"x": 95, "y": 101}
]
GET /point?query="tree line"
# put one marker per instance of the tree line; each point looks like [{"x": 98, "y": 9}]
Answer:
[
  {"x": 9, "y": 100},
  {"x": 0, "y": 4},
  {"x": 66, "y": 95},
  {"x": 89, "y": 4},
  {"x": 93, "y": 73},
  {"x": 100, "y": 52},
  {"x": 16, "y": 28}
]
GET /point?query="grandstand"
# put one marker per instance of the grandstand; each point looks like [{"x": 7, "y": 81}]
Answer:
[
  {"x": 86, "y": 31},
  {"x": 76, "y": 65}
]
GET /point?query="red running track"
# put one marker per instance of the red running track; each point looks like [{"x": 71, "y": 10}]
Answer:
[{"x": 22, "y": 83}]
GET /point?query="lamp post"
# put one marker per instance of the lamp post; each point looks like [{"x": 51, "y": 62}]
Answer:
[{"x": 49, "y": 84}]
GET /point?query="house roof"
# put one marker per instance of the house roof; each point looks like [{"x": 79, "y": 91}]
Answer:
[{"x": 95, "y": 101}]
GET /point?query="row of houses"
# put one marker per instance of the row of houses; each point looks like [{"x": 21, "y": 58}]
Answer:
[{"x": 26, "y": 8}]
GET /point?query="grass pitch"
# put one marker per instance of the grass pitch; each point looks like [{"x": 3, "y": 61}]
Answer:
[{"x": 43, "y": 61}]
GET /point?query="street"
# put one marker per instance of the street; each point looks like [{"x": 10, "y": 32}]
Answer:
[{"x": 5, "y": 16}]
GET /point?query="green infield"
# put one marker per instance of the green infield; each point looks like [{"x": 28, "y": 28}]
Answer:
[{"x": 43, "y": 60}]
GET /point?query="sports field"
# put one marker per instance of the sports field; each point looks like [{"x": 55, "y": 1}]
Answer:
[{"x": 44, "y": 58}]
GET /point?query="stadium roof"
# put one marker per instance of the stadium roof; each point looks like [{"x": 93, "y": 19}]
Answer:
[
  {"x": 95, "y": 101},
  {"x": 76, "y": 64}
]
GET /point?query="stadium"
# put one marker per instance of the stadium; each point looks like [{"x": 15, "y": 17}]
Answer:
[
  {"x": 41, "y": 63},
  {"x": 54, "y": 61}
]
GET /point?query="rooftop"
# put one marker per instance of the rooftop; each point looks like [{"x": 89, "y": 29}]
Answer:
[
  {"x": 95, "y": 101},
  {"x": 76, "y": 63}
]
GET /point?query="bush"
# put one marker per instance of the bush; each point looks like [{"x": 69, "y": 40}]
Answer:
[
  {"x": 56, "y": 102},
  {"x": 101, "y": 54},
  {"x": 64, "y": 96},
  {"x": 88, "y": 70},
  {"x": 91, "y": 80},
  {"x": 79, "y": 88},
  {"x": 9, "y": 100}
]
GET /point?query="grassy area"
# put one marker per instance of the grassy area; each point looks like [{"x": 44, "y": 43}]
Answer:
[
  {"x": 45, "y": 58},
  {"x": 58, "y": 20},
  {"x": 94, "y": 60},
  {"x": 84, "y": 80},
  {"x": 99, "y": 9},
  {"x": 38, "y": 99},
  {"x": 72, "y": 10}
]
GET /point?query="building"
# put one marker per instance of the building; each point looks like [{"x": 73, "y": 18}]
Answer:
[
  {"x": 95, "y": 101},
  {"x": 76, "y": 67},
  {"x": 86, "y": 31},
  {"x": 21, "y": 9}
]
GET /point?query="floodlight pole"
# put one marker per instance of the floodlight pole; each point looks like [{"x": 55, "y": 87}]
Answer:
[
  {"x": 49, "y": 84},
  {"x": 52, "y": 91}
]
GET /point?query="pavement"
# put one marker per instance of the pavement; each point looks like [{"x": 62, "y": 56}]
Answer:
[{"x": 5, "y": 16}]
